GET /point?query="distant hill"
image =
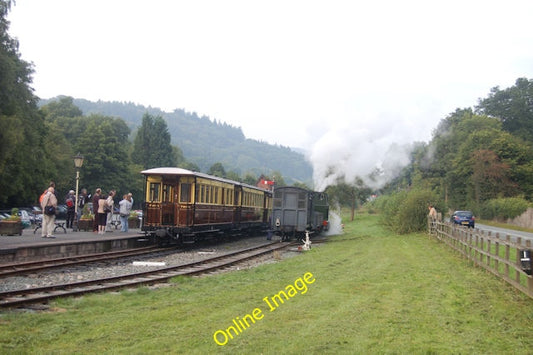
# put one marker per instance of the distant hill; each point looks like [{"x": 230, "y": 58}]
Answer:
[{"x": 205, "y": 141}]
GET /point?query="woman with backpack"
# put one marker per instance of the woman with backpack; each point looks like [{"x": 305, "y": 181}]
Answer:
[{"x": 70, "y": 201}]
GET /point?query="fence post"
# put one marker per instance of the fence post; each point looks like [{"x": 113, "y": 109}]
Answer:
[
  {"x": 507, "y": 255},
  {"x": 497, "y": 252},
  {"x": 519, "y": 266},
  {"x": 529, "y": 277}
]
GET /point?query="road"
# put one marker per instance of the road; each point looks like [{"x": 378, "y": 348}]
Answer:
[{"x": 504, "y": 232}]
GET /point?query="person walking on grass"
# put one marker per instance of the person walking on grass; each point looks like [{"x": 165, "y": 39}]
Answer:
[{"x": 432, "y": 218}]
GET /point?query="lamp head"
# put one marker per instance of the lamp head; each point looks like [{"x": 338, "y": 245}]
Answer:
[{"x": 78, "y": 161}]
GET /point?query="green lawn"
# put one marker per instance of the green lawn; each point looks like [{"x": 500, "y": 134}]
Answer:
[{"x": 371, "y": 291}]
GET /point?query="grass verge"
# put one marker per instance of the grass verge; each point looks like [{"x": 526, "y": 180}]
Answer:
[{"x": 374, "y": 292}]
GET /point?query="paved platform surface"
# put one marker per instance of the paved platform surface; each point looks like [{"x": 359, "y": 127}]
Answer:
[{"x": 28, "y": 238}]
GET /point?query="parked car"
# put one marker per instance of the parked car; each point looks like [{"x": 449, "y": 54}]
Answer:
[{"x": 464, "y": 218}]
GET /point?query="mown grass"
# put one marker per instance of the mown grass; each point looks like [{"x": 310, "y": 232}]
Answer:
[{"x": 375, "y": 292}]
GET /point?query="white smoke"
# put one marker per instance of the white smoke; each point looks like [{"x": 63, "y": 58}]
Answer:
[
  {"x": 374, "y": 150},
  {"x": 335, "y": 224}
]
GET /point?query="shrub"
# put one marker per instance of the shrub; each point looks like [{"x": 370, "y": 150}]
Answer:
[
  {"x": 406, "y": 211},
  {"x": 389, "y": 206},
  {"x": 413, "y": 212},
  {"x": 503, "y": 208},
  {"x": 86, "y": 212}
]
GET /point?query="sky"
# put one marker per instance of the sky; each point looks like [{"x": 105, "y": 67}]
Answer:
[{"x": 353, "y": 83}]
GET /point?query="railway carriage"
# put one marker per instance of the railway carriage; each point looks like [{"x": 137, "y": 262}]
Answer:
[
  {"x": 297, "y": 211},
  {"x": 187, "y": 206}
]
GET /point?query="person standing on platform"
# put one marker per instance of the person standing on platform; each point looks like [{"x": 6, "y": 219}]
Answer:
[
  {"x": 96, "y": 199},
  {"x": 102, "y": 214},
  {"x": 48, "y": 224},
  {"x": 70, "y": 201},
  {"x": 125, "y": 209},
  {"x": 82, "y": 200},
  {"x": 110, "y": 207}
]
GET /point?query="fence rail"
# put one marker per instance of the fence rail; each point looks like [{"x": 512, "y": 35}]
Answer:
[{"x": 508, "y": 257}]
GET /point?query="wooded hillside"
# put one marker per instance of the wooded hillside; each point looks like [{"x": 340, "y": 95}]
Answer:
[{"x": 205, "y": 141}]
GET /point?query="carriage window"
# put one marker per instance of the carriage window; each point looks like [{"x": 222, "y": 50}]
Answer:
[
  {"x": 216, "y": 195},
  {"x": 154, "y": 191},
  {"x": 167, "y": 193},
  {"x": 301, "y": 200},
  {"x": 185, "y": 193}
]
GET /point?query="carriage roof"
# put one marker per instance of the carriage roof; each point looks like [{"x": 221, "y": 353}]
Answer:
[{"x": 184, "y": 172}]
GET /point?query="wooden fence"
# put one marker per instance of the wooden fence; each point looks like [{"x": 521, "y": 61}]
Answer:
[{"x": 508, "y": 257}]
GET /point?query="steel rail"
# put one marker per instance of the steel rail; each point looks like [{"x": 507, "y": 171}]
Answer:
[
  {"x": 17, "y": 298},
  {"x": 40, "y": 265}
]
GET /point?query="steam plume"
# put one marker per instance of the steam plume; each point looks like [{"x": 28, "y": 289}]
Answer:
[{"x": 374, "y": 151}]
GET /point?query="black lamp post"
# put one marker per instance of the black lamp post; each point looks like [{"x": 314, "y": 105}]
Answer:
[{"x": 78, "y": 162}]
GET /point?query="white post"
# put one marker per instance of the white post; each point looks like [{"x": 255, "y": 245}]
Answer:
[
  {"x": 76, "y": 202},
  {"x": 307, "y": 243}
]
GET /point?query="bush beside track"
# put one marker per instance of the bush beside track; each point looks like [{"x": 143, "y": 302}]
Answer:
[{"x": 374, "y": 292}]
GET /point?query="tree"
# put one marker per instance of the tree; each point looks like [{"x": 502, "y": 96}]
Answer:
[
  {"x": 23, "y": 158},
  {"x": 104, "y": 145},
  {"x": 490, "y": 176},
  {"x": 217, "y": 169},
  {"x": 63, "y": 108},
  {"x": 249, "y": 179},
  {"x": 151, "y": 146},
  {"x": 349, "y": 194},
  {"x": 513, "y": 106}
]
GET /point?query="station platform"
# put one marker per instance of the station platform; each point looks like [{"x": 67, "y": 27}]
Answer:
[{"x": 31, "y": 246}]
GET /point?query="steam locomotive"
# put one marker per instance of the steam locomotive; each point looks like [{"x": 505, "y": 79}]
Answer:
[{"x": 299, "y": 211}]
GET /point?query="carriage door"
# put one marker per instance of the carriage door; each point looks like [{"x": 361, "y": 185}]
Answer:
[
  {"x": 237, "y": 204},
  {"x": 184, "y": 205},
  {"x": 167, "y": 204}
]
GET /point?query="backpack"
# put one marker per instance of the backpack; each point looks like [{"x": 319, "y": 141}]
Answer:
[
  {"x": 70, "y": 203},
  {"x": 42, "y": 196}
]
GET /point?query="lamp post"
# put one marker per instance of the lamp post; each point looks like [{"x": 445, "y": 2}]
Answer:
[{"x": 78, "y": 162}]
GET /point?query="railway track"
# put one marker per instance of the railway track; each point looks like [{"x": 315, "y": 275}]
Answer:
[
  {"x": 41, "y": 265},
  {"x": 17, "y": 298}
]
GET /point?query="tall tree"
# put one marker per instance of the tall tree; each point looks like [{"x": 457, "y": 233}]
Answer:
[
  {"x": 514, "y": 106},
  {"x": 151, "y": 146},
  {"x": 23, "y": 157},
  {"x": 104, "y": 145}
]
